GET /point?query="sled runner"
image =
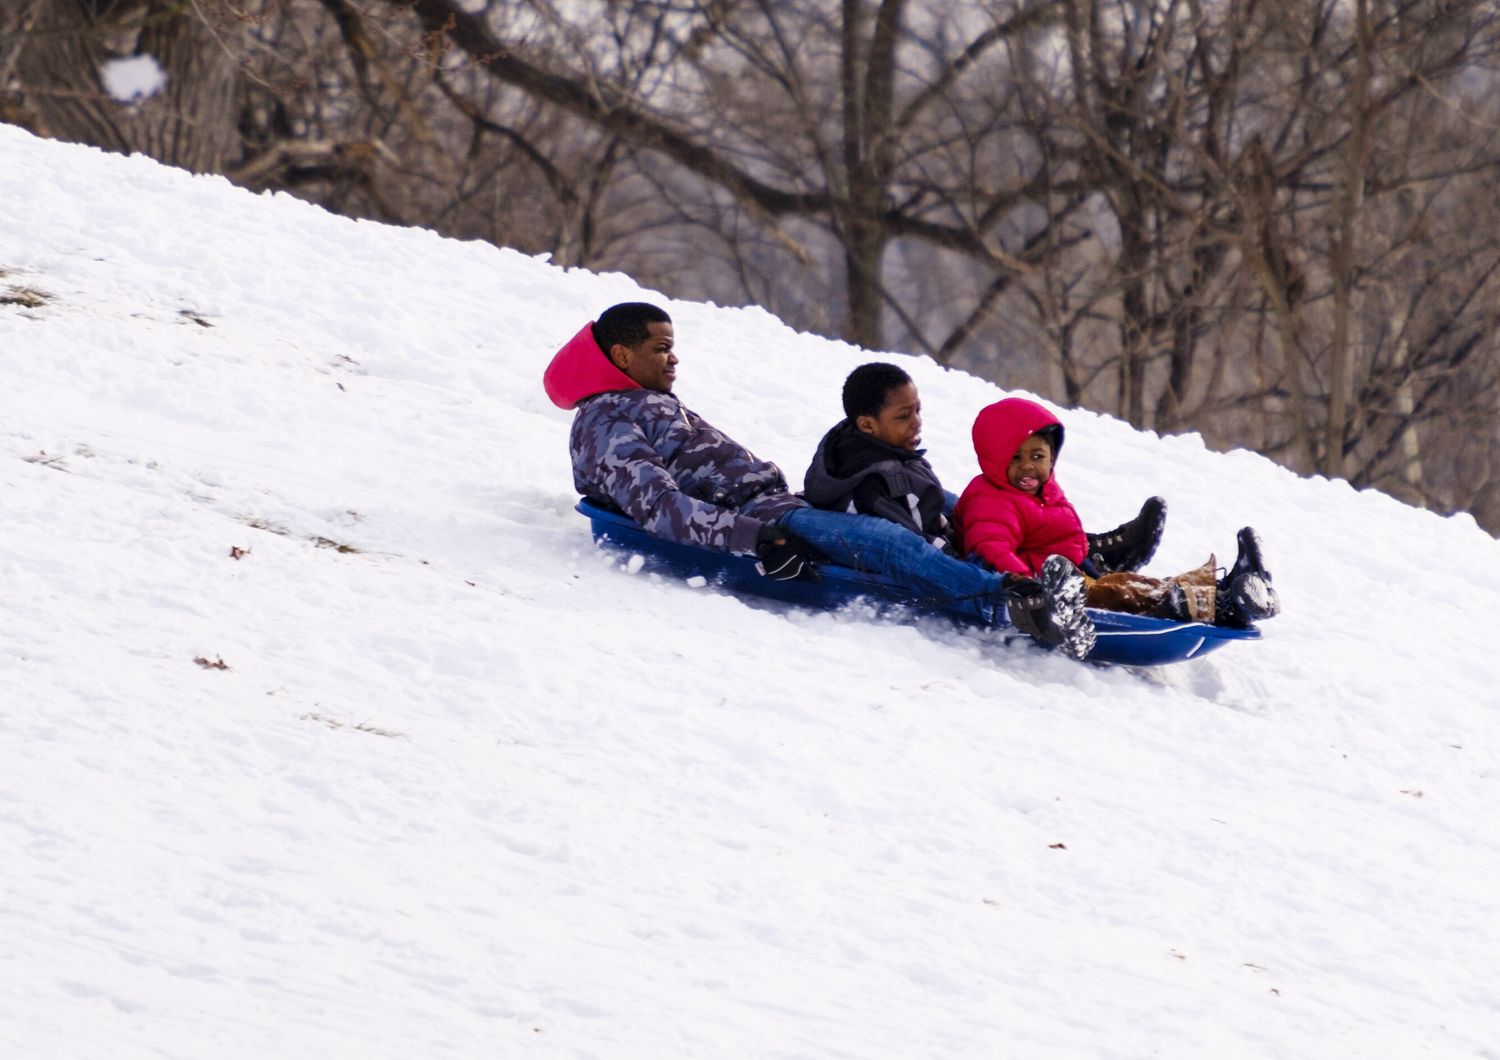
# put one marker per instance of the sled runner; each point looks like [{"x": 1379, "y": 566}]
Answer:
[{"x": 1129, "y": 640}]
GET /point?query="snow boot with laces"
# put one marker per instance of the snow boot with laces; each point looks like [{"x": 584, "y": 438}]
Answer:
[
  {"x": 1130, "y": 546},
  {"x": 1244, "y": 595},
  {"x": 1067, "y": 625},
  {"x": 1050, "y": 608}
]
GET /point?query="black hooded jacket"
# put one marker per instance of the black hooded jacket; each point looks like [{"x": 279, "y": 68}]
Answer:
[{"x": 855, "y": 472}]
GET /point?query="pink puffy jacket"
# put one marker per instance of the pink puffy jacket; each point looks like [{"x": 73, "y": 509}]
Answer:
[{"x": 1015, "y": 531}]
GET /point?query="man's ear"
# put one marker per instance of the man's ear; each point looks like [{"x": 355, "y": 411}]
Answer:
[
  {"x": 619, "y": 356},
  {"x": 866, "y": 424}
]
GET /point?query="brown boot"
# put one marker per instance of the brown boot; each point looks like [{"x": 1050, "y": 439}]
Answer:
[
  {"x": 1133, "y": 594},
  {"x": 1198, "y": 589}
]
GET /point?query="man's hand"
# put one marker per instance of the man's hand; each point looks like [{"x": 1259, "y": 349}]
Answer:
[
  {"x": 784, "y": 558},
  {"x": 1027, "y": 592},
  {"x": 1026, "y": 605}
]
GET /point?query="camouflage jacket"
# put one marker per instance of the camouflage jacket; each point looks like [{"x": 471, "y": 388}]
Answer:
[{"x": 661, "y": 464}]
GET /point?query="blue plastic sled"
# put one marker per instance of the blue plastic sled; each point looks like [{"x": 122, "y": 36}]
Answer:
[{"x": 1129, "y": 640}]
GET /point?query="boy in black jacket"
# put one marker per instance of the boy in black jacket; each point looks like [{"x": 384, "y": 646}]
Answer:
[{"x": 869, "y": 462}]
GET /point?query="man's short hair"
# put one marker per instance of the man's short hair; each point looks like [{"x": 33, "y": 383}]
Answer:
[
  {"x": 628, "y": 324},
  {"x": 867, "y": 387}
]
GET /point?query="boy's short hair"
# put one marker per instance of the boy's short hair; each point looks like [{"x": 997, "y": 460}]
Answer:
[
  {"x": 628, "y": 324},
  {"x": 868, "y": 385}
]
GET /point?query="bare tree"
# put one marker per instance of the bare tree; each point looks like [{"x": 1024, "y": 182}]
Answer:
[
  {"x": 1270, "y": 221},
  {"x": 64, "y": 51},
  {"x": 788, "y": 113},
  {"x": 1247, "y": 165}
]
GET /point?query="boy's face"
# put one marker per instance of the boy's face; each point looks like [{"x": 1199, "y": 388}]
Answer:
[
  {"x": 651, "y": 363},
  {"x": 1031, "y": 467},
  {"x": 899, "y": 421}
]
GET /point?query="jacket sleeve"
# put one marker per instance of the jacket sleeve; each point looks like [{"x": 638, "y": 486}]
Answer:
[
  {"x": 993, "y": 531},
  {"x": 613, "y": 457}
]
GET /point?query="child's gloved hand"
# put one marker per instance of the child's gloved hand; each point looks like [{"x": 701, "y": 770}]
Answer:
[{"x": 784, "y": 558}]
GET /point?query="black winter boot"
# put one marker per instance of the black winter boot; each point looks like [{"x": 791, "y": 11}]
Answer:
[
  {"x": 1130, "y": 546},
  {"x": 1249, "y": 560},
  {"x": 1244, "y": 595},
  {"x": 1071, "y": 628},
  {"x": 1050, "y": 611}
]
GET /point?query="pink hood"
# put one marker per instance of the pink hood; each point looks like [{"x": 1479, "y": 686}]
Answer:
[
  {"x": 580, "y": 370},
  {"x": 999, "y": 430}
]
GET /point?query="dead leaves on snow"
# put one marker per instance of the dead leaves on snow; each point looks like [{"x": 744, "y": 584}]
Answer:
[
  {"x": 359, "y": 726},
  {"x": 317, "y": 539},
  {"x": 25, "y": 297}
]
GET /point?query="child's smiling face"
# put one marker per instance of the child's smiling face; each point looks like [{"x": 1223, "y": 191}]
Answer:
[
  {"x": 899, "y": 421},
  {"x": 1031, "y": 467}
]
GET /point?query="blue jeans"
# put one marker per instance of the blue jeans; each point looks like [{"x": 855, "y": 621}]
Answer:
[{"x": 869, "y": 543}]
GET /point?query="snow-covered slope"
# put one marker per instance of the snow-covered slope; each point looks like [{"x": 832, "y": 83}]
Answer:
[{"x": 325, "y": 731}]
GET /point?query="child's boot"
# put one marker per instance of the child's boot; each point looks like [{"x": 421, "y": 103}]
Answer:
[
  {"x": 1130, "y": 546},
  {"x": 1199, "y": 593},
  {"x": 1245, "y": 594}
]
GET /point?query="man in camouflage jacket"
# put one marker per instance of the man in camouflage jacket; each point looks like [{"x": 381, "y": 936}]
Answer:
[{"x": 636, "y": 447}]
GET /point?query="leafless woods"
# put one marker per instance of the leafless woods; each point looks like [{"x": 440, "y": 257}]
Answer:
[{"x": 1274, "y": 222}]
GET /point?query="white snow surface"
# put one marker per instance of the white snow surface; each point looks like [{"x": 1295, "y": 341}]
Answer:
[
  {"x": 469, "y": 787},
  {"x": 133, "y": 78}
]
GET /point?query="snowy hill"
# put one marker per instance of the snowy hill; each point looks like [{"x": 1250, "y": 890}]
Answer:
[{"x": 326, "y": 732}]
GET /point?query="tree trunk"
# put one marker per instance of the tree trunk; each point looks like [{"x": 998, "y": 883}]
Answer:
[
  {"x": 1135, "y": 310},
  {"x": 188, "y": 122},
  {"x": 1347, "y": 204},
  {"x": 867, "y": 80}
]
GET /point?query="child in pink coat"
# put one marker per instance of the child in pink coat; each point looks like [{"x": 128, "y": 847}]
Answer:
[{"x": 1014, "y": 516}]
